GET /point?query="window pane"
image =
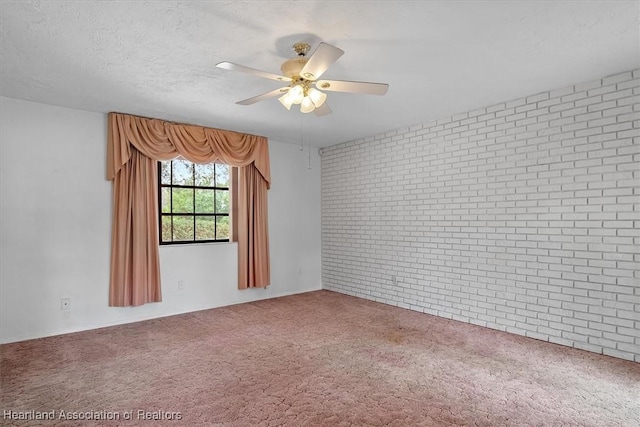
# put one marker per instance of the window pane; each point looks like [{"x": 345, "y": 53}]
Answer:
[
  {"x": 222, "y": 223},
  {"x": 222, "y": 175},
  {"x": 182, "y": 172},
  {"x": 204, "y": 201},
  {"x": 182, "y": 200},
  {"x": 165, "y": 172},
  {"x": 205, "y": 175},
  {"x": 205, "y": 228},
  {"x": 183, "y": 227},
  {"x": 166, "y": 228},
  {"x": 222, "y": 201},
  {"x": 165, "y": 200}
]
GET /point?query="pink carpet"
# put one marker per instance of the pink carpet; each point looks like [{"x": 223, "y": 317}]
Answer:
[{"x": 315, "y": 359}]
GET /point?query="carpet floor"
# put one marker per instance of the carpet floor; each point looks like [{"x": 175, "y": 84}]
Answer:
[{"x": 314, "y": 359}]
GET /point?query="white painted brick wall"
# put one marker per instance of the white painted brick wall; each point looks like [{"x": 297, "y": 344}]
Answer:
[{"x": 523, "y": 216}]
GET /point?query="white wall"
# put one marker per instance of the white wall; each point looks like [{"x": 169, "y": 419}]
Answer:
[
  {"x": 55, "y": 230},
  {"x": 522, "y": 216}
]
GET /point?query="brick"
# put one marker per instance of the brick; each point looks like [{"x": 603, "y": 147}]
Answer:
[
  {"x": 617, "y": 78},
  {"x": 588, "y": 85},
  {"x": 590, "y": 100},
  {"x": 602, "y": 90},
  {"x": 631, "y": 83},
  {"x": 602, "y": 106},
  {"x": 539, "y": 97}
]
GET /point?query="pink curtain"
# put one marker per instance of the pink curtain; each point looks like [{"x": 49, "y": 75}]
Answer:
[
  {"x": 135, "y": 144},
  {"x": 253, "y": 244}
]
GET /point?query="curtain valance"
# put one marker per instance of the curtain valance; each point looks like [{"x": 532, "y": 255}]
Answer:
[
  {"x": 162, "y": 140},
  {"x": 134, "y": 145}
]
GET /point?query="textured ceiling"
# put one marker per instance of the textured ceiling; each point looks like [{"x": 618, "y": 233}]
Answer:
[{"x": 157, "y": 58}]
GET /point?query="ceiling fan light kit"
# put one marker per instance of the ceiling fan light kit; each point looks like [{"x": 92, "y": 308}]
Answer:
[
  {"x": 302, "y": 73},
  {"x": 300, "y": 93}
]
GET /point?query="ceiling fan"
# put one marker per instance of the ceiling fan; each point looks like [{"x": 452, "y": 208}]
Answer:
[{"x": 301, "y": 74}]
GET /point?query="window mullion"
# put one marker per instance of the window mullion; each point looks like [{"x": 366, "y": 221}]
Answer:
[{"x": 193, "y": 192}]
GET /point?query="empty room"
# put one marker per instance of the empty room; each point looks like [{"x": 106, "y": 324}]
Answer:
[{"x": 320, "y": 213}]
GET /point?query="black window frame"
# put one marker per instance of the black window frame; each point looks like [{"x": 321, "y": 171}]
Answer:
[{"x": 193, "y": 214}]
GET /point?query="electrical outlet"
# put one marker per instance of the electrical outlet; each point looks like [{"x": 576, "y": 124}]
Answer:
[
  {"x": 65, "y": 304},
  {"x": 180, "y": 285}
]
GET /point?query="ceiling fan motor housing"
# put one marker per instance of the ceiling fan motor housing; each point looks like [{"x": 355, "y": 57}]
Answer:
[{"x": 292, "y": 67}]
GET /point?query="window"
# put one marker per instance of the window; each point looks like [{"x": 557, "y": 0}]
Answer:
[{"x": 193, "y": 202}]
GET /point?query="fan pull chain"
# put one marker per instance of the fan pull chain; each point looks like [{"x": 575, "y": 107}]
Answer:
[
  {"x": 302, "y": 143},
  {"x": 302, "y": 134}
]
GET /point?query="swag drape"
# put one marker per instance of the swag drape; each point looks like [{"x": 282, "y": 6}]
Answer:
[{"x": 134, "y": 145}]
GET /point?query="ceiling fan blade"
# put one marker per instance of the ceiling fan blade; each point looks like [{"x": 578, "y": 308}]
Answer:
[
  {"x": 236, "y": 67},
  {"x": 264, "y": 96},
  {"x": 353, "y": 87},
  {"x": 322, "y": 58},
  {"x": 322, "y": 110}
]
